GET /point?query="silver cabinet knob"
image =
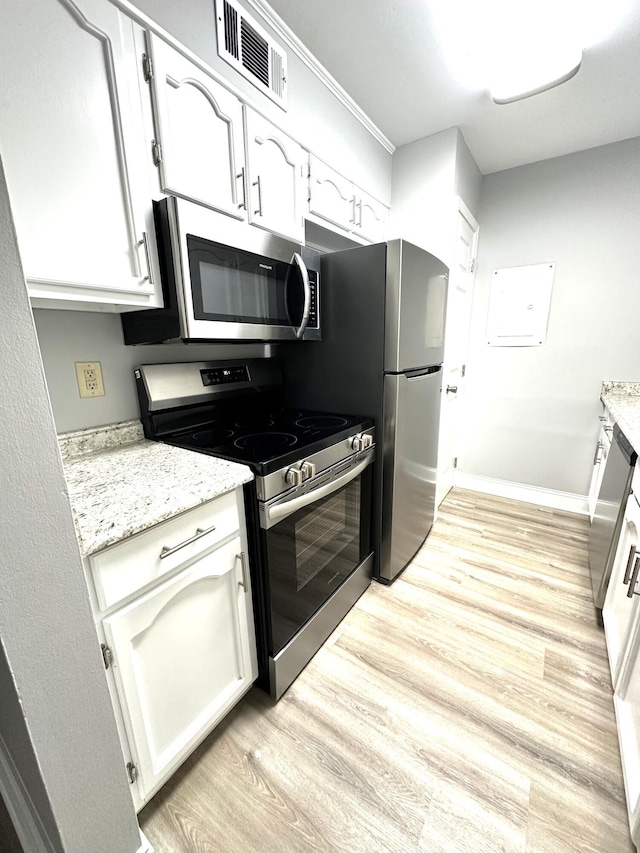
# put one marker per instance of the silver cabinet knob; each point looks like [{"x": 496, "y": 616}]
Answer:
[{"x": 452, "y": 389}]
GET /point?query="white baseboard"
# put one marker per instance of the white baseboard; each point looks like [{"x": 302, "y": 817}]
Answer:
[
  {"x": 24, "y": 816},
  {"x": 521, "y": 492},
  {"x": 145, "y": 846}
]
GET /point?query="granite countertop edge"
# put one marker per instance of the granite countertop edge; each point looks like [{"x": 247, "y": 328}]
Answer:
[
  {"x": 120, "y": 484},
  {"x": 622, "y": 400}
]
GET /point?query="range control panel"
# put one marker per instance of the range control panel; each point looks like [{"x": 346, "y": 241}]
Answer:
[{"x": 225, "y": 375}]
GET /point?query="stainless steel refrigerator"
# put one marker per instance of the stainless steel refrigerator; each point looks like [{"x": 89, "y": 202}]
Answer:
[{"x": 383, "y": 309}]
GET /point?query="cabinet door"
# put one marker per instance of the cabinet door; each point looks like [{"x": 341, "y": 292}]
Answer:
[
  {"x": 199, "y": 127},
  {"x": 275, "y": 168},
  {"x": 70, "y": 152},
  {"x": 619, "y": 609},
  {"x": 184, "y": 653},
  {"x": 330, "y": 195},
  {"x": 371, "y": 217},
  {"x": 626, "y": 701}
]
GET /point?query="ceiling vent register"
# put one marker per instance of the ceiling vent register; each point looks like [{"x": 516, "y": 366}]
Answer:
[{"x": 243, "y": 43}]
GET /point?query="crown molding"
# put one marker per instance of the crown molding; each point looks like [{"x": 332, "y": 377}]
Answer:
[{"x": 292, "y": 41}]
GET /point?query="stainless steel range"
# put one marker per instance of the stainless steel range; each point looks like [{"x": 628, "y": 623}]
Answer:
[{"x": 308, "y": 509}]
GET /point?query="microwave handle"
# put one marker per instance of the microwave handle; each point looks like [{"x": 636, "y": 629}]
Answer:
[{"x": 296, "y": 259}]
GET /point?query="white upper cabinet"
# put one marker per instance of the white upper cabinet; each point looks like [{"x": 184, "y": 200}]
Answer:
[
  {"x": 74, "y": 154},
  {"x": 198, "y": 127},
  {"x": 331, "y": 196},
  {"x": 275, "y": 168},
  {"x": 336, "y": 200},
  {"x": 371, "y": 217}
]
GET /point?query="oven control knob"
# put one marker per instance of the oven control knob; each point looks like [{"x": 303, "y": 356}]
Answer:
[
  {"x": 308, "y": 470},
  {"x": 367, "y": 440},
  {"x": 357, "y": 442},
  {"x": 293, "y": 476}
]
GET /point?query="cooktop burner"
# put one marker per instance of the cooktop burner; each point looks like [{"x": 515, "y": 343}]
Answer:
[
  {"x": 321, "y": 422},
  {"x": 262, "y": 443}
]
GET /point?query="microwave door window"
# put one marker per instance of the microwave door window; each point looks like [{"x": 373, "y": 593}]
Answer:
[{"x": 230, "y": 285}]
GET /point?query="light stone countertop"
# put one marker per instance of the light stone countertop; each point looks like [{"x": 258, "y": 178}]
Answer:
[
  {"x": 622, "y": 399},
  {"x": 120, "y": 484}
]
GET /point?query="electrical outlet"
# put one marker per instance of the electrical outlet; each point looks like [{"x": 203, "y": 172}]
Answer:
[{"x": 89, "y": 376}]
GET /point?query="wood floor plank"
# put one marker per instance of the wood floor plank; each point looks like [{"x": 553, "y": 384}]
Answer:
[{"x": 467, "y": 707}]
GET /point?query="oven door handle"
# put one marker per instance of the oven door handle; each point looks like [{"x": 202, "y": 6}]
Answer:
[
  {"x": 297, "y": 260},
  {"x": 282, "y": 510}
]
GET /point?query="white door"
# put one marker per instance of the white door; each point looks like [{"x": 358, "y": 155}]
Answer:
[
  {"x": 199, "y": 128},
  {"x": 456, "y": 345},
  {"x": 183, "y": 655},
  {"x": 275, "y": 170}
]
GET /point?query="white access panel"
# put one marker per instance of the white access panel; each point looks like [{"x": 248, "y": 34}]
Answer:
[{"x": 519, "y": 305}]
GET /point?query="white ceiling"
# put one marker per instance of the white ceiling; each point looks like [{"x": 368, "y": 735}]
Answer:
[{"x": 386, "y": 55}]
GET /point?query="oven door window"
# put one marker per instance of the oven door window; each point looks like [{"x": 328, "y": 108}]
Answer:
[
  {"x": 232, "y": 285},
  {"x": 311, "y": 552}
]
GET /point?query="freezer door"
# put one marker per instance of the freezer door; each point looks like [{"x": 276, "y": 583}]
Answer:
[
  {"x": 410, "y": 456},
  {"x": 416, "y": 301}
]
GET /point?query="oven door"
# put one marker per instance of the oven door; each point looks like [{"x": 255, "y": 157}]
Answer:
[{"x": 312, "y": 542}]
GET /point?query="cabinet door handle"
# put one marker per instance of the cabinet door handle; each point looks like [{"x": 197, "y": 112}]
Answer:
[
  {"x": 244, "y": 583},
  {"x": 627, "y": 573},
  {"x": 256, "y": 183},
  {"x": 242, "y": 175},
  {"x": 596, "y": 456},
  {"x": 145, "y": 242},
  {"x": 167, "y": 551},
  {"x": 634, "y": 578}
]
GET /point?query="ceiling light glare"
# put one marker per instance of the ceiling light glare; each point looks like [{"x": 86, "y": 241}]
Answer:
[{"x": 516, "y": 49}]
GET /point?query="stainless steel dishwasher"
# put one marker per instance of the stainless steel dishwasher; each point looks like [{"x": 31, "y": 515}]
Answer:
[{"x": 607, "y": 519}]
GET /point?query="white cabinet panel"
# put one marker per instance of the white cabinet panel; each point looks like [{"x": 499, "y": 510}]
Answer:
[
  {"x": 275, "y": 185},
  {"x": 71, "y": 149},
  {"x": 330, "y": 195},
  {"x": 199, "y": 128},
  {"x": 184, "y": 653},
  {"x": 132, "y": 565},
  {"x": 335, "y": 199},
  {"x": 371, "y": 217}
]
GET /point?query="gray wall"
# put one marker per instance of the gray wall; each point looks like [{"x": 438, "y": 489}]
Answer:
[
  {"x": 57, "y": 720},
  {"x": 468, "y": 178},
  {"x": 69, "y": 336},
  {"x": 314, "y": 116},
  {"x": 427, "y": 176},
  {"x": 531, "y": 412}
]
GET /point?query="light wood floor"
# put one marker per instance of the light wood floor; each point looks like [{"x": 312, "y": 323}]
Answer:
[{"x": 465, "y": 708}]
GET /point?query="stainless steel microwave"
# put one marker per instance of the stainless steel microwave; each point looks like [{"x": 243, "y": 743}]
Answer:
[{"x": 225, "y": 281}]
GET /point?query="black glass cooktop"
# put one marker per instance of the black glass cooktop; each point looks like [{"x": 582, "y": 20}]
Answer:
[{"x": 268, "y": 440}]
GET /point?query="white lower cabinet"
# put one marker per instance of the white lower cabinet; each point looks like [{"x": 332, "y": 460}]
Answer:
[
  {"x": 181, "y": 652},
  {"x": 621, "y": 604},
  {"x": 626, "y": 701}
]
